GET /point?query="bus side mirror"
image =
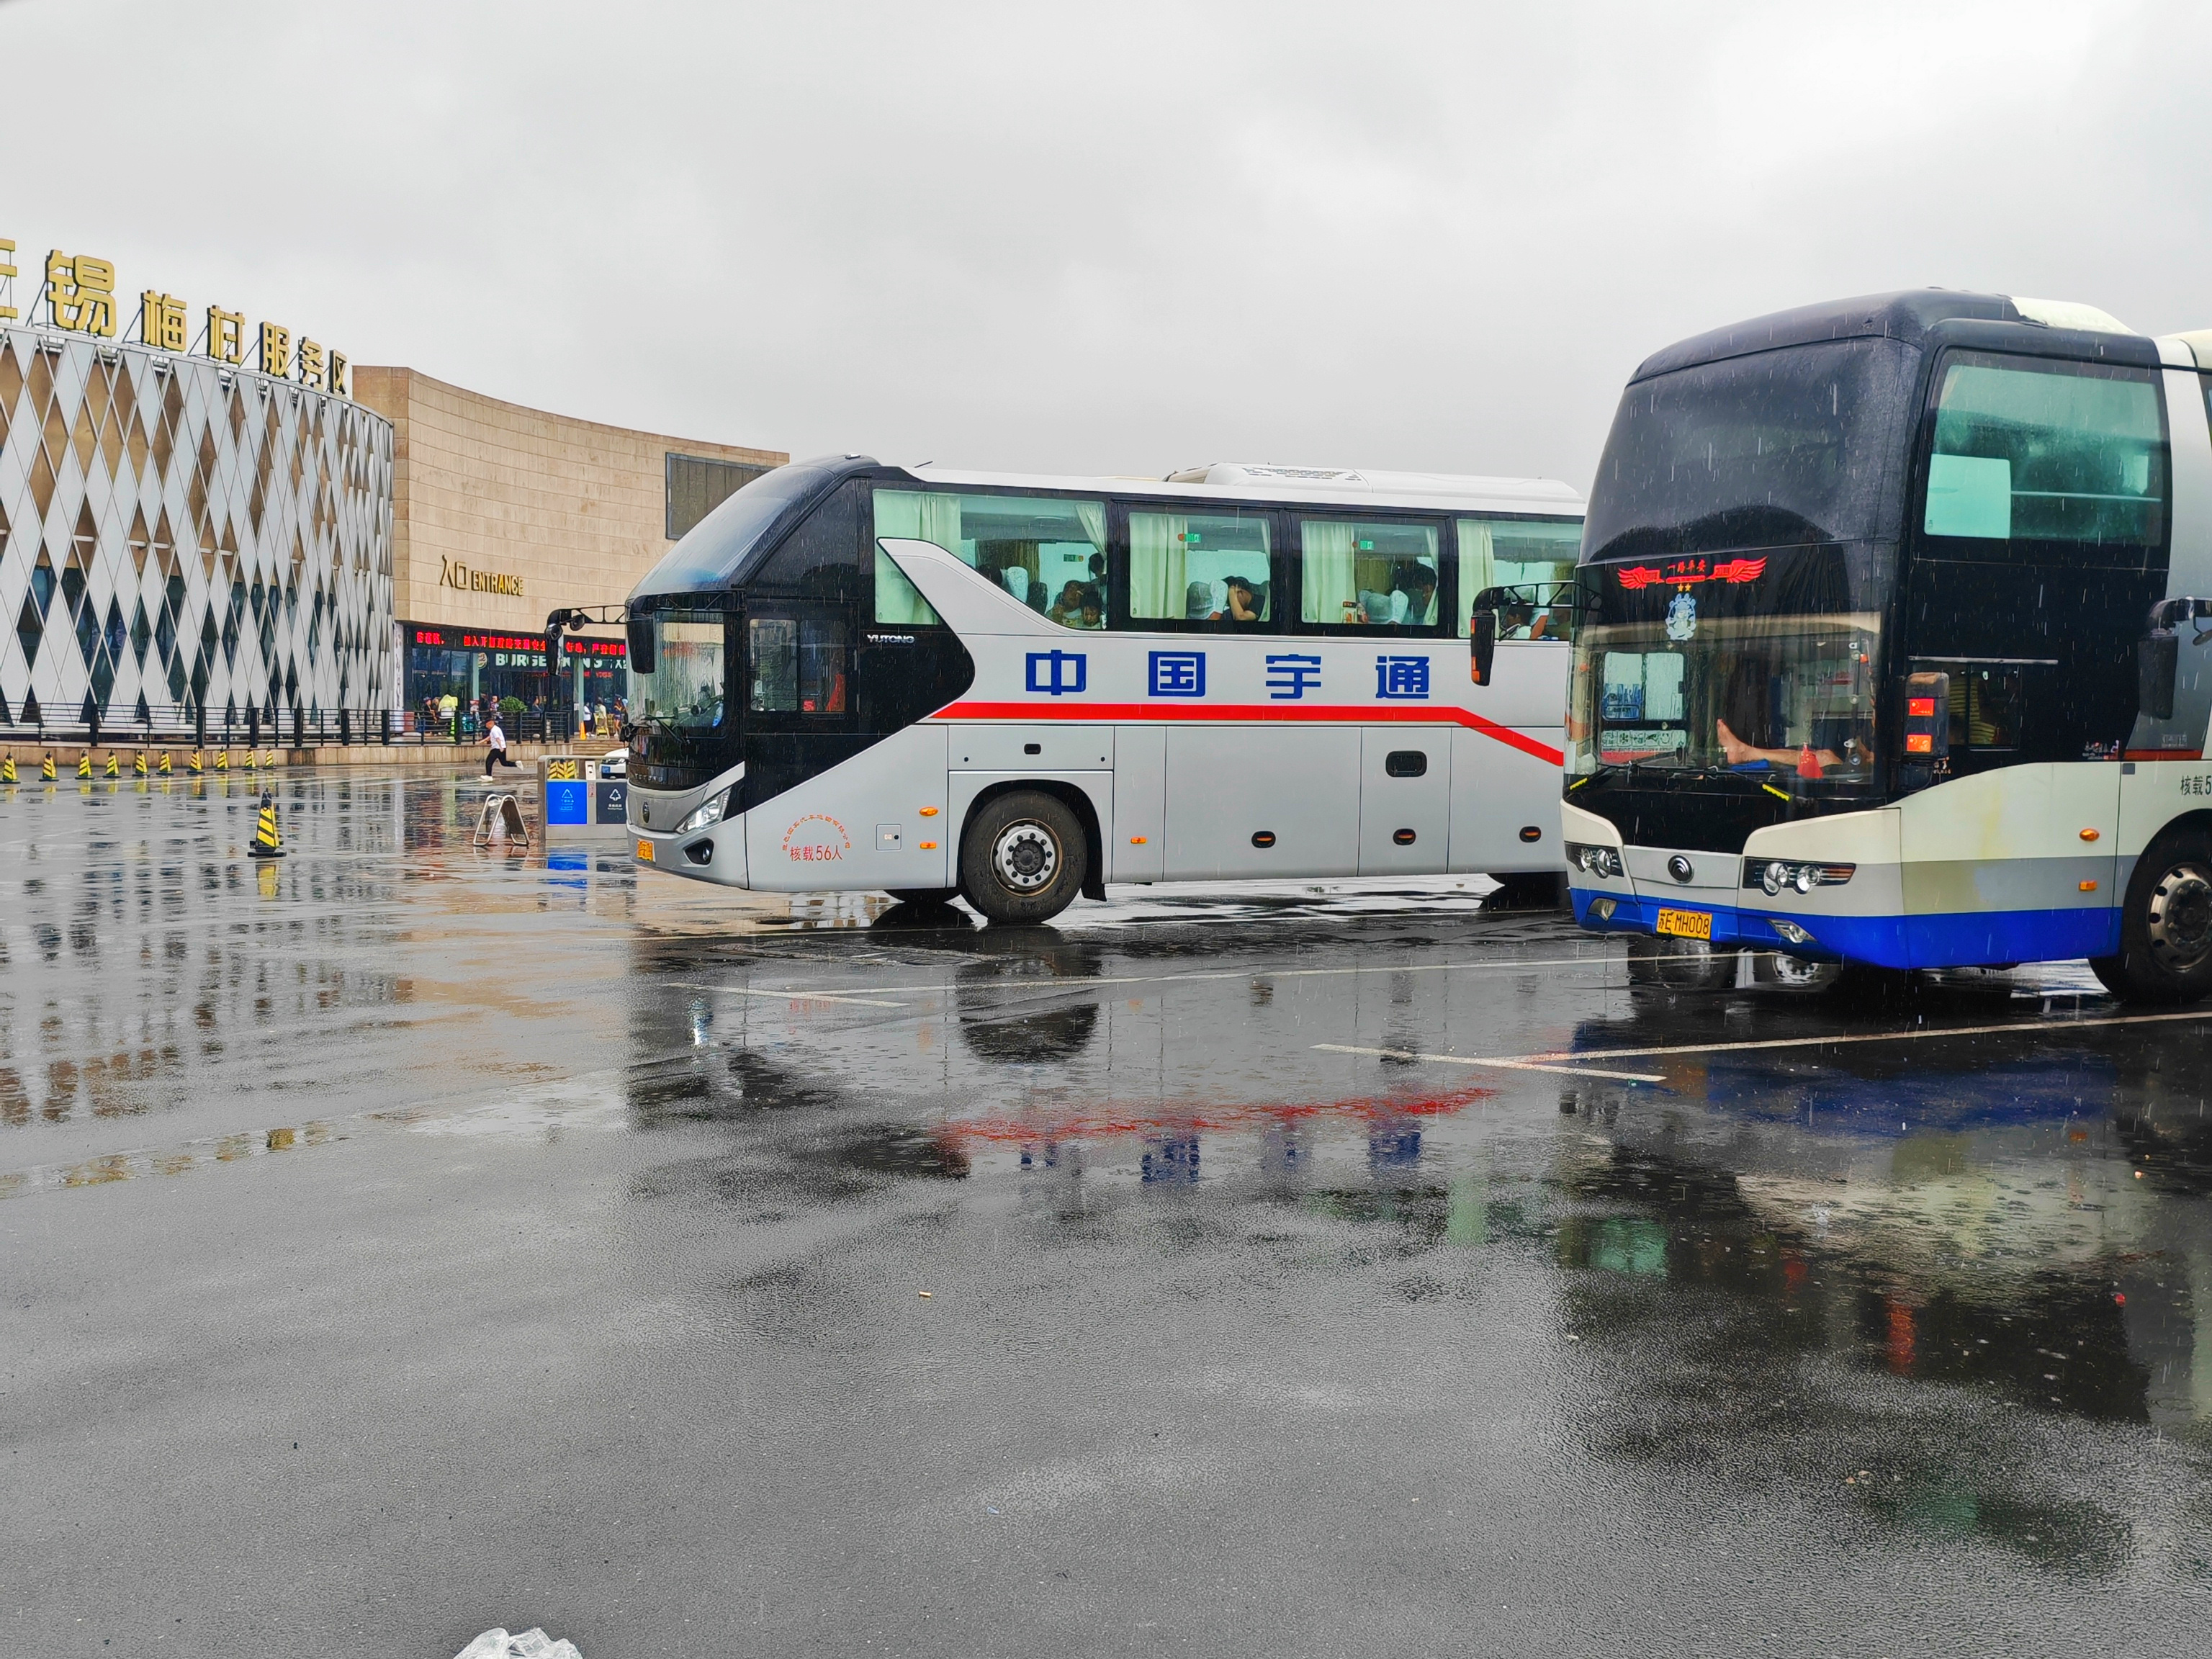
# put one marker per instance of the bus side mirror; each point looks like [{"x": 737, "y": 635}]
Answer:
[
  {"x": 1482, "y": 629},
  {"x": 639, "y": 632},
  {"x": 1927, "y": 719},
  {"x": 2157, "y": 657},
  {"x": 2158, "y": 653}
]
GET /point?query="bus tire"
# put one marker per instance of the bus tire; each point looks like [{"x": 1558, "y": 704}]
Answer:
[
  {"x": 2165, "y": 924},
  {"x": 923, "y": 895},
  {"x": 1681, "y": 964},
  {"x": 1023, "y": 858}
]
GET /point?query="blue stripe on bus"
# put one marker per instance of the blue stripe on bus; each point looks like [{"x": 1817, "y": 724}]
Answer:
[{"x": 1962, "y": 940}]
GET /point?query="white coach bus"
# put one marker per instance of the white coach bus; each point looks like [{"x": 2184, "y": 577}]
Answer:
[
  {"x": 1015, "y": 689},
  {"x": 1892, "y": 646}
]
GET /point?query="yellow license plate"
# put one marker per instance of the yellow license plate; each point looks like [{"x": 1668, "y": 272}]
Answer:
[
  {"x": 645, "y": 852},
  {"x": 1686, "y": 924}
]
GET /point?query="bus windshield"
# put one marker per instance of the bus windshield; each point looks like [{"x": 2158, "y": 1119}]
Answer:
[
  {"x": 684, "y": 686},
  {"x": 1792, "y": 446},
  {"x": 1730, "y": 667}
]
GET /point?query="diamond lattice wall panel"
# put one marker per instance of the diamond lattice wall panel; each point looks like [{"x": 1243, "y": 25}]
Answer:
[{"x": 160, "y": 492}]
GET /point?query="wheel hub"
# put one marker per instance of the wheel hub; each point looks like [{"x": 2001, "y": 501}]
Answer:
[
  {"x": 2181, "y": 927},
  {"x": 1025, "y": 857}
]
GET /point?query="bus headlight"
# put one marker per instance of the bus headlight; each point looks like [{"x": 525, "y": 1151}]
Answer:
[
  {"x": 710, "y": 812},
  {"x": 1776, "y": 876},
  {"x": 1604, "y": 862}
]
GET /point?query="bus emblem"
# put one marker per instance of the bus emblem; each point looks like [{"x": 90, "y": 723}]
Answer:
[
  {"x": 1682, "y": 617},
  {"x": 1058, "y": 671}
]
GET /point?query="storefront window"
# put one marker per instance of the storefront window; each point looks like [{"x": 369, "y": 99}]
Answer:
[{"x": 453, "y": 672}]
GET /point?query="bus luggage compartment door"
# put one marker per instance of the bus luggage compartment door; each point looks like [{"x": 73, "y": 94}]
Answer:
[
  {"x": 1248, "y": 801},
  {"x": 1405, "y": 800}
]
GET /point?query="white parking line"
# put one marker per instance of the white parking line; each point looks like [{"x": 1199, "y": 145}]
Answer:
[
  {"x": 1566, "y": 1061},
  {"x": 1482, "y": 1060},
  {"x": 2032, "y": 1027}
]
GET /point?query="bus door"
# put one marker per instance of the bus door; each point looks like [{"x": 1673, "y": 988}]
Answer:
[{"x": 2011, "y": 831}]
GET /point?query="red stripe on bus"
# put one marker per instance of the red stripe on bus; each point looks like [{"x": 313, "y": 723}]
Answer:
[
  {"x": 2161, "y": 754},
  {"x": 1354, "y": 714}
]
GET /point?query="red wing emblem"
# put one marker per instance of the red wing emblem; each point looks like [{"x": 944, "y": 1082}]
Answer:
[
  {"x": 1638, "y": 575},
  {"x": 1740, "y": 570}
]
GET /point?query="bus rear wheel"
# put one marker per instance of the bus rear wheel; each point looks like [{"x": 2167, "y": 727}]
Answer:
[
  {"x": 2165, "y": 925},
  {"x": 1023, "y": 858}
]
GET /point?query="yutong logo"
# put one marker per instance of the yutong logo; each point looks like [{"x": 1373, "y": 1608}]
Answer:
[{"x": 451, "y": 573}]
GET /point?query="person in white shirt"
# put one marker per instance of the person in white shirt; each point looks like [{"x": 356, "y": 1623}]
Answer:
[{"x": 495, "y": 748}]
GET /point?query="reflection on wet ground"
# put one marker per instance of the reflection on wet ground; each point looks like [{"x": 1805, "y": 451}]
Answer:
[{"x": 1283, "y": 1241}]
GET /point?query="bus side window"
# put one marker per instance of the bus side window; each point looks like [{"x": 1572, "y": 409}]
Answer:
[
  {"x": 1045, "y": 552},
  {"x": 798, "y": 664},
  {"x": 1200, "y": 569},
  {"x": 1533, "y": 557},
  {"x": 1378, "y": 574}
]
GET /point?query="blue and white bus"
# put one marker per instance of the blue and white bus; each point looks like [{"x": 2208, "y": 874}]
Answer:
[
  {"x": 1015, "y": 689},
  {"x": 1891, "y": 647}
]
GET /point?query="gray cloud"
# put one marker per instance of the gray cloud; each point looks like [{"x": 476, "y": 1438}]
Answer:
[{"x": 1102, "y": 239}]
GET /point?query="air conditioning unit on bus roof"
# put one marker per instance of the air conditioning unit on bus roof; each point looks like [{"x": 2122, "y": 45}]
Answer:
[{"x": 1308, "y": 480}]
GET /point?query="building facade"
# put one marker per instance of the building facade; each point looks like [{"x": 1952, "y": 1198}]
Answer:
[
  {"x": 184, "y": 538},
  {"x": 503, "y": 515}
]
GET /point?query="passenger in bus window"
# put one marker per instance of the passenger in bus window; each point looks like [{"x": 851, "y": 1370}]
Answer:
[
  {"x": 1413, "y": 596},
  {"x": 1522, "y": 620},
  {"x": 1198, "y": 603},
  {"x": 1068, "y": 607},
  {"x": 1243, "y": 604}
]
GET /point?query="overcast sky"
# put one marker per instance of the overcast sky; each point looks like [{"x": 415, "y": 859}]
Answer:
[{"x": 1115, "y": 239}]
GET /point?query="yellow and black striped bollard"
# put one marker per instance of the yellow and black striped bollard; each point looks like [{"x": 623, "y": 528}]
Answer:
[
  {"x": 47, "y": 773},
  {"x": 84, "y": 764},
  {"x": 193, "y": 765}
]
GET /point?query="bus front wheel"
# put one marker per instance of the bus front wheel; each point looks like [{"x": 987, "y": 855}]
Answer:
[
  {"x": 2165, "y": 925},
  {"x": 1023, "y": 858}
]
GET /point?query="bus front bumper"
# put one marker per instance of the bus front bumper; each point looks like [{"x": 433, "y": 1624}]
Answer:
[
  {"x": 1609, "y": 910},
  {"x": 1886, "y": 939}
]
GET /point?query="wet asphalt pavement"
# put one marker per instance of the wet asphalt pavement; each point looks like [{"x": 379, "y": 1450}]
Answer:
[{"x": 408, "y": 1239}]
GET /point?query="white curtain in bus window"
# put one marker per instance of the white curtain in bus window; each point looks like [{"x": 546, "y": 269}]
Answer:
[
  {"x": 1367, "y": 572},
  {"x": 1182, "y": 566},
  {"x": 1536, "y": 558},
  {"x": 2035, "y": 454}
]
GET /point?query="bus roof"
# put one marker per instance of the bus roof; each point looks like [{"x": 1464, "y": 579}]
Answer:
[
  {"x": 1333, "y": 486},
  {"x": 1910, "y": 316}
]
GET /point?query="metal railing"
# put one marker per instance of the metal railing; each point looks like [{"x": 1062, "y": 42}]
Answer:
[{"x": 292, "y": 728}]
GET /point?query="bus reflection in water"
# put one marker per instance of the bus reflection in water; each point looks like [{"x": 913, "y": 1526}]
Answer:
[
  {"x": 1889, "y": 650},
  {"x": 1015, "y": 690}
]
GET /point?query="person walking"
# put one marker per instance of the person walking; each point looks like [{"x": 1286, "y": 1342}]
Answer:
[{"x": 495, "y": 748}]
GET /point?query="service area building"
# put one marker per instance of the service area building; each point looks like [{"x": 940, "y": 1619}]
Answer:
[
  {"x": 209, "y": 521},
  {"x": 503, "y": 514}
]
